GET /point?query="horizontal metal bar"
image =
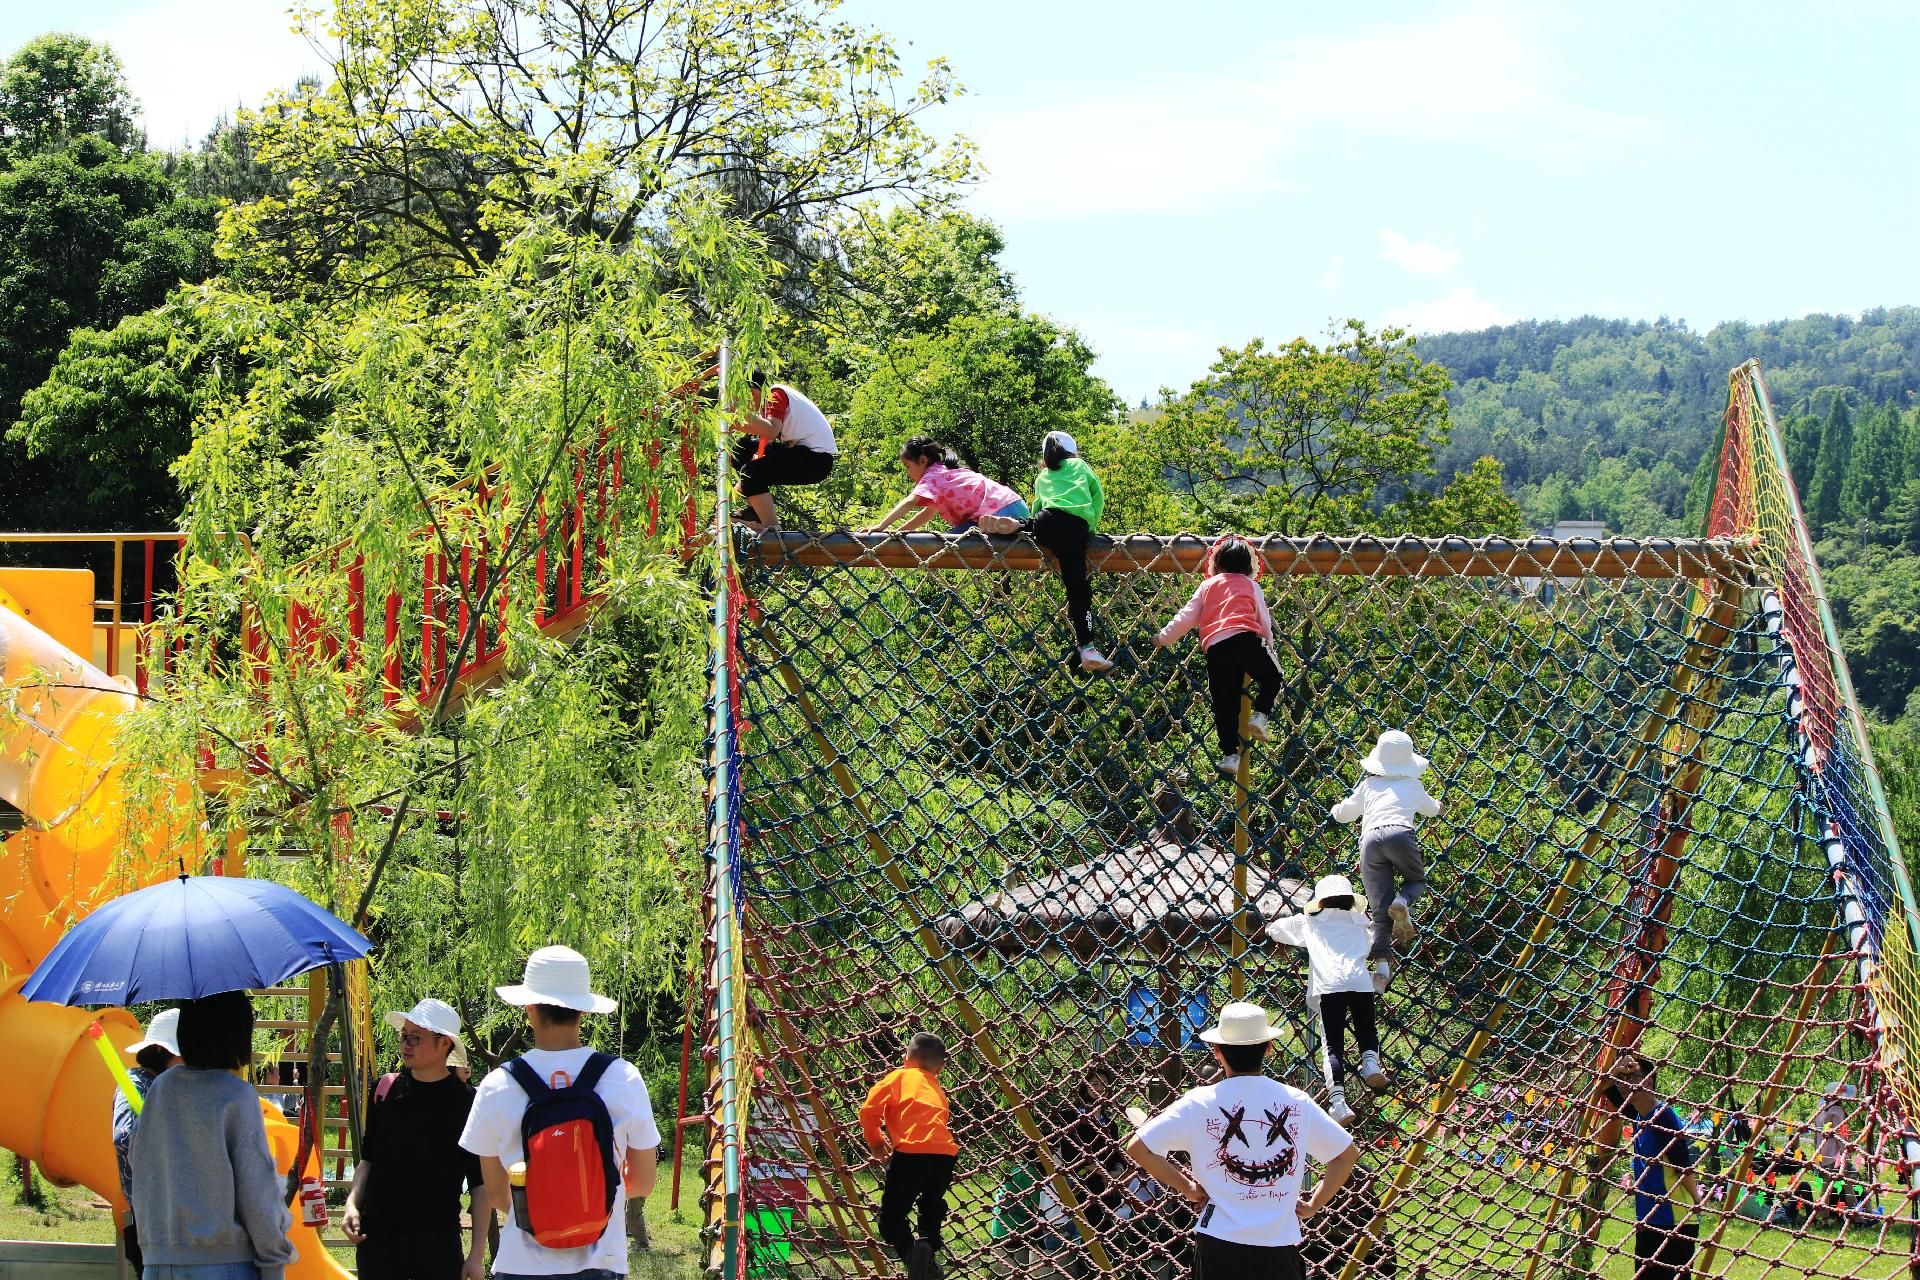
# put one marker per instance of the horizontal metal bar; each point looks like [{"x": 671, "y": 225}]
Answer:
[{"x": 1186, "y": 553}]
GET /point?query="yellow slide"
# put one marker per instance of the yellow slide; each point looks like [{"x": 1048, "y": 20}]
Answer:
[{"x": 59, "y": 722}]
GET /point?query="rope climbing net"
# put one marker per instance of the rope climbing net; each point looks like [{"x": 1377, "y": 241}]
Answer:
[{"x": 1661, "y": 832}]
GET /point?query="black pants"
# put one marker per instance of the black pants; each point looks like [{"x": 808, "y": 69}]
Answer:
[
  {"x": 410, "y": 1255},
  {"x": 1337, "y": 1010},
  {"x": 130, "y": 1239},
  {"x": 914, "y": 1178},
  {"x": 1221, "y": 1260},
  {"x": 1066, "y": 535},
  {"x": 1660, "y": 1254},
  {"x": 1228, "y": 664},
  {"x": 781, "y": 464}
]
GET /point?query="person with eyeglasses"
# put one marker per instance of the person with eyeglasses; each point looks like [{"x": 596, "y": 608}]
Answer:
[{"x": 403, "y": 1212}]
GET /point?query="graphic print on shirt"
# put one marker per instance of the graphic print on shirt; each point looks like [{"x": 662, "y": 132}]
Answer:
[{"x": 1257, "y": 1167}]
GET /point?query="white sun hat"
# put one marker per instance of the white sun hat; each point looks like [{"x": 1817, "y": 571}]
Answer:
[
  {"x": 558, "y": 976},
  {"x": 1836, "y": 1089},
  {"x": 1334, "y": 887},
  {"x": 164, "y": 1031},
  {"x": 1065, "y": 441},
  {"x": 1241, "y": 1023},
  {"x": 1393, "y": 756},
  {"x": 438, "y": 1017}
]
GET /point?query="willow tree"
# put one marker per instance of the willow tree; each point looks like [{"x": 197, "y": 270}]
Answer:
[
  {"x": 447, "y": 124},
  {"x": 562, "y": 802}
]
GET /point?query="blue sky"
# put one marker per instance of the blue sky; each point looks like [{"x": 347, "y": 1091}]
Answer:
[{"x": 1171, "y": 178}]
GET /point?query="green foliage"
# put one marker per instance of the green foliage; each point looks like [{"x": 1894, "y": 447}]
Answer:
[
  {"x": 446, "y": 127},
  {"x": 1303, "y": 438},
  {"x": 59, "y": 87},
  {"x": 87, "y": 236},
  {"x": 990, "y": 386}
]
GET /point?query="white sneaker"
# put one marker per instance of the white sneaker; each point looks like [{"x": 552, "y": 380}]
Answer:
[
  {"x": 1001, "y": 525},
  {"x": 1257, "y": 728},
  {"x": 1382, "y": 975},
  {"x": 1094, "y": 662},
  {"x": 1404, "y": 931},
  {"x": 1337, "y": 1108},
  {"x": 1229, "y": 765},
  {"x": 1372, "y": 1072}
]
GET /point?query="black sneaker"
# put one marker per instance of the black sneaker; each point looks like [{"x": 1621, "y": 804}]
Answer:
[{"x": 920, "y": 1264}]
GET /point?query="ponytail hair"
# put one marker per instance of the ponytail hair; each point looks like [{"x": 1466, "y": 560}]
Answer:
[{"x": 930, "y": 451}]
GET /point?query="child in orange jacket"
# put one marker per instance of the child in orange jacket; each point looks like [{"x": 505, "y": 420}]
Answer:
[{"x": 905, "y": 1120}]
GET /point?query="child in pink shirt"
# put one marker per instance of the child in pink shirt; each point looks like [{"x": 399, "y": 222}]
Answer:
[
  {"x": 1231, "y": 612},
  {"x": 943, "y": 486}
]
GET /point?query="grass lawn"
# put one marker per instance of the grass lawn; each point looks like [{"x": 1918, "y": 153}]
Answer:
[
  {"x": 1480, "y": 1233},
  {"x": 72, "y": 1214}
]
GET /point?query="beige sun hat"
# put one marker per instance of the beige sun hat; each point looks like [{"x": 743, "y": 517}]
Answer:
[
  {"x": 1393, "y": 756},
  {"x": 1241, "y": 1023},
  {"x": 558, "y": 976},
  {"x": 1334, "y": 887},
  {"x": 438, "y": 1017}
]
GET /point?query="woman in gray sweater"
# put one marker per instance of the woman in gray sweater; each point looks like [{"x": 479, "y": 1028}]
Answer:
[{"x": 207, "y": 1199}]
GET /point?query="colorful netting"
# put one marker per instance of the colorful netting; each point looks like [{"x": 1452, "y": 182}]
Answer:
[{"x": 1660, "y": 830}]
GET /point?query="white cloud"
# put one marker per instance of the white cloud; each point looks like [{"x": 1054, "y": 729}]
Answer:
[
  {"x": 1422, "y": 257},
  {"x": 1460, "y": 310},
  {"x": 1480, "y": 78},
  {"x": 190, "y": 63}
]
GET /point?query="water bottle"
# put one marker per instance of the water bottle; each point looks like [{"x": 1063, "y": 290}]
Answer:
[
  {"x": 517, "y": 1183},
  {"x": 313, "y": 1202}
]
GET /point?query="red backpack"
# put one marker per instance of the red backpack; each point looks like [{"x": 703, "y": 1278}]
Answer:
[{"x": 571, "y": 1170}]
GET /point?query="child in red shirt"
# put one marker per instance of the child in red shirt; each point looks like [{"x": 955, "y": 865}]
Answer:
[
  {"x": 1231, "y": 612},
  {"x": 907, "y": 1124}
]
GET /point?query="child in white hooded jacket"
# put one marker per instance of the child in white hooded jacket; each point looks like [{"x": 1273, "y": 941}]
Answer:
[
  {"x": 1333, "y": 929},
  {"x": 1389, "y": 803}
]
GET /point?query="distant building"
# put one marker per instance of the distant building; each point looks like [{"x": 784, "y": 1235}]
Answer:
[{"x": 1563, "y": 531}]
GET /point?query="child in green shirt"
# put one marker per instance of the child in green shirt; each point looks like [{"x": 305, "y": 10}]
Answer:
[{"x": 1069, "y": 498}]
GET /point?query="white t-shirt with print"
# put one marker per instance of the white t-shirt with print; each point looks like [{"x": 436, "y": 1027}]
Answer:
[
  {"x": 1249, "y": 1138},
  {"x": 493, "y": 1129}
]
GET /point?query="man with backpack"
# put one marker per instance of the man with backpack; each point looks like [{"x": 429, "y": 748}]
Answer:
[
  {"x": 564, "y": 1134},
  {"x": 403, "y": 1212}
]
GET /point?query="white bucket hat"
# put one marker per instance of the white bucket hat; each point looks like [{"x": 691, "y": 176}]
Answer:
[
  {"x": 438, "y": 1017},
  {"x": 164, "y": 1031},
  {"x": 1334, "y": 887},
  {"x": 1065, "y": 441},
  {"x": 1834, "y": 1090},
  {"x": 1393, "y": 756},
  {"x": 1241, "y": 1023},
  {"x": 559, "y": 976}
]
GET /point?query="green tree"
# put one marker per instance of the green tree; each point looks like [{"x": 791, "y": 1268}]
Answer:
[
  {"x": 87, "y": 236},
  {"x": 1830, "y": 466},
  {"x": 59, "y": 87},
  {"x": 990, "y": 386},
  {"x": 1876, "y": 469},
  {"x": 1305, "y": 438},
  {"x": 441, "y": 132}
]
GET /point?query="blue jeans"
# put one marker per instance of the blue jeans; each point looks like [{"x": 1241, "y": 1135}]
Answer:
[
  {"x": 201, "y": 1271},
  {"x": 1017, "y": 509}
]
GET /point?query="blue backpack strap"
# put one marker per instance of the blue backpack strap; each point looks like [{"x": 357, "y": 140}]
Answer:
[
  {"x": 529, "y": 1079},
  {"x": 597, "y": 1064}
]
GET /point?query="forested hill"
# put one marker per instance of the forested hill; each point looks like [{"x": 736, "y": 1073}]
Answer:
[{"x": 1609, "y": 419}]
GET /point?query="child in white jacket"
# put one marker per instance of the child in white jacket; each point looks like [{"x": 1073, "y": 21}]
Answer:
[
  {"x": 1388, "y": 803},
  {"x": 1333, "y": 929}
]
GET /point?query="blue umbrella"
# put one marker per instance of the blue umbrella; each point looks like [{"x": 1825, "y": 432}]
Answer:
[{"x": 191, "y": 937}]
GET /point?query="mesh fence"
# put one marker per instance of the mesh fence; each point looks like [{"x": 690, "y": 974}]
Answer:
[{"x": 1654, "y": 835}]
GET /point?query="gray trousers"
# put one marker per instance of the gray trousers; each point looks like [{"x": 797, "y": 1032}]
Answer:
[{"x": 1384, "y": 857}]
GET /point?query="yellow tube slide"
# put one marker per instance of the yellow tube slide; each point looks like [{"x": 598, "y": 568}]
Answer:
[{"x": 59, "y": 724}]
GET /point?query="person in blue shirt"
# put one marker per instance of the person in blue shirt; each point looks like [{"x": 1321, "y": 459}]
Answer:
[{"x": 1663, "y": 1161}]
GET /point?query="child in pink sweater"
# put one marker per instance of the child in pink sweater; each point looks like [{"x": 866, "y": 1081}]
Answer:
[{"x": 1231, "y": 612}]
